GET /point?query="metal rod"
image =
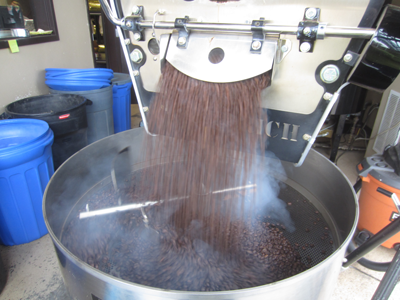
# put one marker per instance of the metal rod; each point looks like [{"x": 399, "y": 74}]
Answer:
[
  {"x": 110, "y": 210},
  {"x": 110, "y": 14},
  {"x": 389, "y": 280},
  {"x": 346, "y": 32},
  {"x": 382, "y": 236}
]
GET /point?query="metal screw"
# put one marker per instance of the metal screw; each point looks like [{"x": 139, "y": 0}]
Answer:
[
  {"x": 137, "y": 36},
  {"x": 305, "y": 47},
  {"x": 285, "y": 48},
  {"x": 136, "y": 56},
  {"x": 327, "y": 96},
  {"x": 256, "y": 45},
  {"x": 128, "y": 24},
  {"x": 307, "y": 30},
  {"x": 135, "y": 10},
  {"x": 311, "y": 13},
  {"x": 257, "y": 23},
  {"x": 306, "y": 137},
  {"x": 348, "y": 57},
  {"x": 329, "y": 73},
  {"x": 155, "y": 58},
  {"x": 146, "y": 109},
  {"x": 136, "y": 73},
  {"x": 127, "y": 41},
  {"x": 182, "y": 41}
]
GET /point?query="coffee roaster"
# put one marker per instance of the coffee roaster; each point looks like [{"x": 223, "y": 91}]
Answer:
[{"x": 313, "y": 50}]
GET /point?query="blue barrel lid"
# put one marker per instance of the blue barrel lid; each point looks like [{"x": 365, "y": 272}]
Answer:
[
  {"x": 22, "y": 140},
  {"x": 76, "y": 85},
  {"x": 121, "y": 78},
  {"x": 61, "y": 70}
]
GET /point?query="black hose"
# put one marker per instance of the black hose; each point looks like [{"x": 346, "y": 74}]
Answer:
[
  {"x": 376, "y": 266},
  {"x": 357, "y": 185}
]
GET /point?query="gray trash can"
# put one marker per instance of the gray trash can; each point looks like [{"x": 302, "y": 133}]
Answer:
[{"x": 99, "y": 115}]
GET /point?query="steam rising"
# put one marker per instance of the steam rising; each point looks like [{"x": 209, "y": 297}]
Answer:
[{"x": 211, "y": 196}]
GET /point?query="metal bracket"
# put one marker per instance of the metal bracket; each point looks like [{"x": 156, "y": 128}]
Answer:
[
  {"x": 307, "y": 34},
  {"x": 351, "y": 58},
  {"x": 258, "y": 36},
  {"x": 183, "y": 38},
  {"x": 131, "y": 23},
  {"x": 309, "y": 29}
]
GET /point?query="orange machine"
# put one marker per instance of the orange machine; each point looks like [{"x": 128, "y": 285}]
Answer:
[{"x": 379, "y": 204}]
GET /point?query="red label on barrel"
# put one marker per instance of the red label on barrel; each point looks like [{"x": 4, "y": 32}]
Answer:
[{"x": 64, "y": 116}]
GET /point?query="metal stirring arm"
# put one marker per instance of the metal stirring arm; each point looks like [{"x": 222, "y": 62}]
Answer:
[{"x": 141, "y": 206}]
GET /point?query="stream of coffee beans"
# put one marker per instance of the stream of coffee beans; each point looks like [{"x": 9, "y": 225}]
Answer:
[{"x": 214, "y": 130}]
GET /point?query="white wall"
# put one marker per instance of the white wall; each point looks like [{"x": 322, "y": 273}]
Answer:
[{"x": 22, "y": 74}]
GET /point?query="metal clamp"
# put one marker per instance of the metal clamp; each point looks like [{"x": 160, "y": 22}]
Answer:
[
  {"x": 258, "y": 36},
  {"x": 307, "y": 35},
  {"x": 183, "y": 38}
]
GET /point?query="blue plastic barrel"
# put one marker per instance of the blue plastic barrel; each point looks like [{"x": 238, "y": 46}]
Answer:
[
  {"x": 121, "y": 101},
  {"x": 26, "y": 165}
]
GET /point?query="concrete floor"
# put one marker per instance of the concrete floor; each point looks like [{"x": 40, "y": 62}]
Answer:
[{"x": 33, "y": 271}]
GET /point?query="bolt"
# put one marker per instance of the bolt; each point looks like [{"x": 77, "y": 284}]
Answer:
[
  {"x": 135, "y": 10},
  {"x": 182, "y": 41},
  {"x": 307, "y": 30},
  {"x": 136, "y": 73},
  {"x": 306, "y": 137},
  {"x": 328, "y": 96},
  {"x": 256, "y": 45},
  {"x": 137, "y": 36},
  {"x": 155, "y": 58},
  {"x": 329, "y": 74},
  {"x": 146, "y": 109},
  {"x": 285, "y": 48},
  {"x": 305, "y": 47},
  {"x": 257, "y": 23},
  {"x": 128, "y": 24},
  {"x": 348, "y": 57},
  {"x": 136, "y": 56},
  {"x": 311, "y": 13},
  {"x": 127, "y": 41}
]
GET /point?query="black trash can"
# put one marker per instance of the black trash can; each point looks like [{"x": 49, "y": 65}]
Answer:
[{"x": 66, "y": 116}]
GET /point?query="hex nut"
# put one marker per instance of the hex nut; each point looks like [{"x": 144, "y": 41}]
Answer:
[
  {"x": 135, "y": 10},
  {"x": 306, "y": 137},
  {"x": 307, "y": 30},
  {"x": 137, "y": 36},
  {"x": 329, "y": 74},
  {"x": 348, "y": 57},
  {"x": 136, "y": 56},
  {"x": 305, "y": 47},
  {"x": 182, "y": 41},
  {"x": 311, "y": 13},
  {"x": 256, "y": 45},
  {"x": 327, "y": 96}
]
